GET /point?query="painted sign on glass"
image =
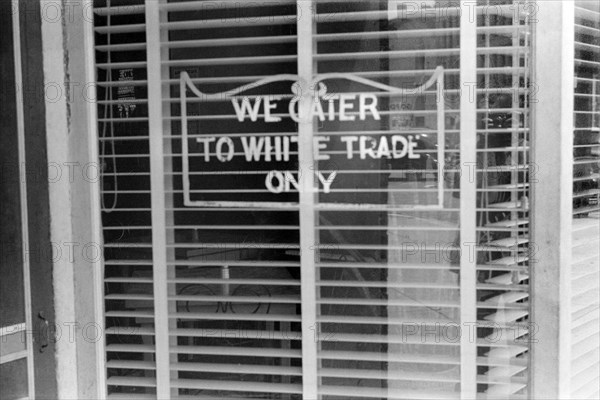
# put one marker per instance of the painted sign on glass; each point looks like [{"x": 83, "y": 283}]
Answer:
[{"x": 241, "y": 132}]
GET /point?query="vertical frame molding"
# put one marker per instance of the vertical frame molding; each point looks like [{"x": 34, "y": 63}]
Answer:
[
  {"x": 468, "y": 197},
  {"x": 74, "y": 203},
  {"x": 16, "y": 38},
  {"x": 59, "y": 150},
  {"x": 86, "y": 213},
  {"x": 95, "y": 203},
  {"x": 86, "y": 209},
  {"x": 552, "y": 143},
  {"x": 157, "y": 182},
  {"x": 308, "y": 192}
]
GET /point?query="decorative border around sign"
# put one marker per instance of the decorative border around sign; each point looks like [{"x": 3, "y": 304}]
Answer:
[{"x": 185, "y": 82}]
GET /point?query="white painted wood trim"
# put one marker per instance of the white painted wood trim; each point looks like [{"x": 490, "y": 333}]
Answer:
[
  {"x": 61, "y": 229},
  {"x": 168, "y": 186},
  {"x": 307, "y": 198},
  {"x": 468, "y": 197},
  {"x": 441, "y": 128},
  {"x": 552, "y": 144},
  {"x": 157, "y": 181},
  {"x": 95, "y": 206},
  {"x": 23, "y": 196}
]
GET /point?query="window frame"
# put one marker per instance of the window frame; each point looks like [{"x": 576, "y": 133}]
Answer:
[{"x": 549, "y": 292}]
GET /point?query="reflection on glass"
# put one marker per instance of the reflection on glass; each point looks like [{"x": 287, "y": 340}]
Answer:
[
  {"x": 388, "y": 204},
  {"x": 389, "y": 292},
  {"x": 13, "y": 376}
]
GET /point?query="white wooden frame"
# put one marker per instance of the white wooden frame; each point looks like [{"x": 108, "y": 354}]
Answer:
[
  {"x": 306, "y": 28},
  {"x": 78, "y": 286},
  {"x": 27, "y": 326},
  {"x": 552, "y": 197},
  {"x": 59, "y": 144},
  {"x": 307, "y": 204},
  {"x": 96, "y": 217},
  {"x": 156, "y": 123},
  {"x": 468, "y": 200}
]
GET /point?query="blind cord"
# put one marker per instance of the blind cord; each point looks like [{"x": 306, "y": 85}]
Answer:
[{"x": 107, "y": 107}]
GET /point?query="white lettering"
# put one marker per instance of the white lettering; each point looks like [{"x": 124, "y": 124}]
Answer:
[
  {"x": 246, "y": 107},
  {"x": 277, "y": 146},
  {"x": 364, "y": 150},
  {"x": 318, "y": 109},
  {"x": 326, "y": 182},
  {"x": 318, "y": 146},
  {"x": 372, "y": 107},
  {"x": 349, "y": 140},
  {"x": 285, "y": 181},
  {"x": 269, "y": 182},
  {"x": 383, "y": 150},
  {"x": 403, "y": 141},
  {"x": 252, "y": 150},
  {"x": 268, "y": 148},
  {"x": 219, "y": 149},
  {"x": 411, "y": 146},
  {"x": 346, "y": 106},
  {"x": 268, "y": 107},
  {"x": 289, "y": 179},
  {"x": 367, "y": 103},
  {"x": 206, "y": 141}
]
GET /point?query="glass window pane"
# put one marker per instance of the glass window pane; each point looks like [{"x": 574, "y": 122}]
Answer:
[
  {"x": 13, "y": 379},
  {"x": 388, "y": 264},
  {"x": 11, "y": 258}
]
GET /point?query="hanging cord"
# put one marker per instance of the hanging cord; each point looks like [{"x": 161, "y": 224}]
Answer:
[{"x": 108, "y": 109}]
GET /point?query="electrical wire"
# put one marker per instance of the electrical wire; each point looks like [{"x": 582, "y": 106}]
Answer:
[{"x": 108, "y": 109}]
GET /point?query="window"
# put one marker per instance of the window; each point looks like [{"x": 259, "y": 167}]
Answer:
[
  {"x": 378, "y": 250},
  {"x": 586, "y": 193}
]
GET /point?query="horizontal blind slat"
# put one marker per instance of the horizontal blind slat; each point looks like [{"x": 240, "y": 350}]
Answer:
[
  {"x": 236, "y": 351},
  {"x": 236, "y": 368},
  {"x": 246, "y": 386}
]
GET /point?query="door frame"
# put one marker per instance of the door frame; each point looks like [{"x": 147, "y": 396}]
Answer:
[
  {"x": 38, "y": 328},
  {"x": 71, "y": 143},
  {"x": 16, "y": 337}
]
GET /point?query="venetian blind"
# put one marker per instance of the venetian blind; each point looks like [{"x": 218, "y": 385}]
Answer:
[
  {"x": 388, "y": 290},
  {"x": 586, "y": 193},
  {"x": 234, "y": 320},
  {"x": 389, "y": 293},
  {"x": 232, "y": 292},
  {"x": 126, "y": 203},
  {"x": 504, "y": 172},
  {"x": 204, "y": 261}
]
